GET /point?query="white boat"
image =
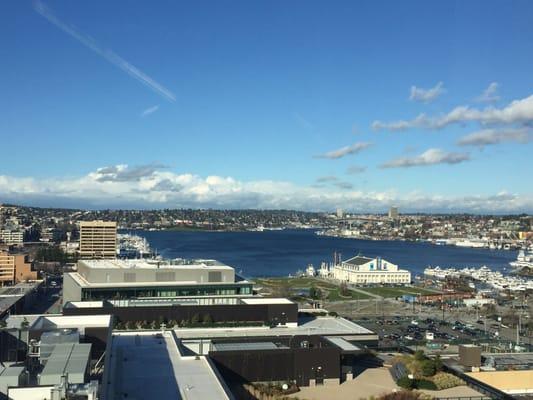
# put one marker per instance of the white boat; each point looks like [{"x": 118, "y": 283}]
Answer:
[{"x": 523, "y": 260}]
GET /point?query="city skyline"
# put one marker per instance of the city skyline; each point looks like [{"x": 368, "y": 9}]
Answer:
[{"x": 274, "y": 106}]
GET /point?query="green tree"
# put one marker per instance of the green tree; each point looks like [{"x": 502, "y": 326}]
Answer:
[
  {"x": 315, "y": 293},
  {"x": 419, "y": 355},
  {"x": 195, "y": 319},
  {"x": 428, "y": 368},
  {"x": 207, "y": 319}
]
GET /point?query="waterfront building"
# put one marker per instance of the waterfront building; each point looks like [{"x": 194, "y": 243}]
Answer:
[
  {"x": 208, "y": 280},
  {"x": 15, "y": 268},
  {"x": 11, "y": 236},
  {"x": 362, "y": 270},
  {"x": 98, "y": 239}
]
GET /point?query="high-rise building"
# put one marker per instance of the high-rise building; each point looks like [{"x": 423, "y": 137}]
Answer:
[
  {"x": 98, "y": 239},
  {"x": 340, "y": 213},
  {"x": 393, "y": 213}
]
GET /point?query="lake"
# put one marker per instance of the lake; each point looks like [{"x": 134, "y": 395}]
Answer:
[{"x": 280, "y": 253}]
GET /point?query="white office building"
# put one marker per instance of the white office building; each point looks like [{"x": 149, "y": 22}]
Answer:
[{"x": 361, "y": 270}]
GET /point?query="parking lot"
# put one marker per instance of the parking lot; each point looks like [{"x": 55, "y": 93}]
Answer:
[{"x": 401, "y": 331}]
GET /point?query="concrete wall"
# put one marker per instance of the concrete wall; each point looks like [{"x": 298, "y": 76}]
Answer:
[
  {"x": 71, "y": 289},
  {"x": 121, "y": 275}
]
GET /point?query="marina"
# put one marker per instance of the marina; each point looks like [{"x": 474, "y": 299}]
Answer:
[{"x": 485, "y": 276}]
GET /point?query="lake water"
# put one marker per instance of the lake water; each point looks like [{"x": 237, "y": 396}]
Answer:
[{"x": 279, "y": 253}]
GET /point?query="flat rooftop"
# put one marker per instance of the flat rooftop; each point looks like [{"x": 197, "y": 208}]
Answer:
[
  {"x": 149, "y": 366},
  {"x": 246, "y": 346},
  {"x": 323, "y": 326},
  {"x": 71, "y": 321},
  {"x": 84, "y": 283},
  {"x": 178, "y": 263}
]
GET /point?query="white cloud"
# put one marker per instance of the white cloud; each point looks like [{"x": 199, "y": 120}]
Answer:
[
  {"x": 487, "y": 137},
  {"x": 490, "y": 94},
  {"x": 355, "y": 169},
  {"x": 429, "y": 157},
  {"x": 325, "y": 179},
  {"x": 344, "y": 151},
  {"x": 107, "y": 54},
  {"x": 426, "y": 95},
  {"x": 163, "y": 188},
  {"x": 150, "y": 110},
  {"x": 518, "y": 111}
]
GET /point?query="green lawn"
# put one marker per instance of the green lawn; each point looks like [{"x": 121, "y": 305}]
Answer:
[
  {"x": 304, "y": 282},
  {"x": 290, "y": 286},
  {"x": 397, "y": 291},
  {"x": 334, "y": 295}
]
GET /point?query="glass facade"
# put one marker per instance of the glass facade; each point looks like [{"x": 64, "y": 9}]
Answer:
[{"x": 164, "y": 291}]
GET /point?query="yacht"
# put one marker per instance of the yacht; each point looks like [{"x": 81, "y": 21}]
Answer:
[{"x": 523, "y": 260}]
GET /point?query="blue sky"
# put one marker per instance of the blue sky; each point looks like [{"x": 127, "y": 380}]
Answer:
[{"x": 250, "y": 104}]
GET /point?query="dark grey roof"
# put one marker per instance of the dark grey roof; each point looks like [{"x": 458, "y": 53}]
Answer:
[{"x": 358, "y": 260}]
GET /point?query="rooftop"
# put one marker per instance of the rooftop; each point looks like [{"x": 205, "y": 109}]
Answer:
[
  {"x": 246, "y": 346},
  {"x": 178, "y": 263},
  {"x": 324, "y": 326},
  {"x": 358, "y": 260},
  {"x": 150, "y": 366}
]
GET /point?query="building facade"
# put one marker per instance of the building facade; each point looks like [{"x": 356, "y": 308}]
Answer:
[
  {"x": 361, "y": 270},
  {"x": 15, "y": 268},
  {"x": 11, "y": 237},
  {"x": 145, "y": 279},
  {"x": 98, "y": 239}
]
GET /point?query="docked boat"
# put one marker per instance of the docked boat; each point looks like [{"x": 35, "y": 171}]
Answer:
[{"x": 523, "y": 260}]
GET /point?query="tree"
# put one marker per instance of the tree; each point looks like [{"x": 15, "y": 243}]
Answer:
[
  {"x": 315, "y": 293},
  {"x": 207, "y": 319},
  {"x": 419, "y": 355},
  {"x": 428, "y": 368},
  {"x": 195, "y": 319},
  {"x": 438, "y": 363},
  {"x": 343, "y": 290}
]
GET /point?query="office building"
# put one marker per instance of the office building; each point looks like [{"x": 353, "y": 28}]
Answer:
[
  {"x": 98, "y": 239},
  {"x": 208, "y": 281},
  {"x": 15, "y": 268},
  {"x": 393, "y": 213},
  {"x": 361, "y": 270}
]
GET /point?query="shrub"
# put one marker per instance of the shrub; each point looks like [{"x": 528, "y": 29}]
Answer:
[
  {"x": 426, "y": 384},
  {"x": 443, "y": 380},
  {"x": 406, "y": 383},
  {"x": 172, "y": 323},
  {"x": 428, "y": 368},
  {"x": 333, "y": 314}
]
